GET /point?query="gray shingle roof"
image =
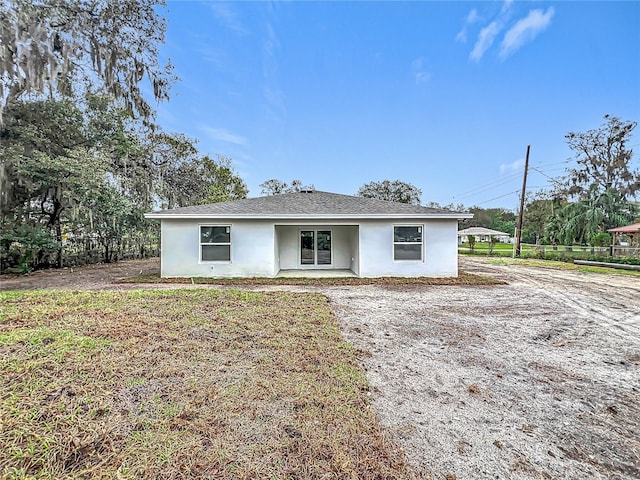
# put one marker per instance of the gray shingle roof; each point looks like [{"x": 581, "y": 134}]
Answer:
[{"x": 304, "y": 204}]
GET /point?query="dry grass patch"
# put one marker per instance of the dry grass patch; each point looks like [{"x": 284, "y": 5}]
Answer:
[
  {"x": 184, "y": 384},
  {"x": 463, "y": 279}
]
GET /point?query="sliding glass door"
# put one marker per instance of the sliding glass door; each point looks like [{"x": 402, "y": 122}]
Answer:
[
  {"x": 315, "y": 247},
  {"x": 307, "y": 247}
]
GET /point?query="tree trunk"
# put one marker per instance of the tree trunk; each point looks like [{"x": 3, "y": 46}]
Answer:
[
  {"x": 59, "y": 240},
  {"x": 54, "y": 223}
]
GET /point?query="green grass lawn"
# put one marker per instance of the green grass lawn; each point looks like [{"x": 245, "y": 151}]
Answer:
[
  {"x": 485, "y": 246},
  {"x": 482, "y": 248},
  {"x": 561, "y": 266},
  {"x": 195, "y": 383}
]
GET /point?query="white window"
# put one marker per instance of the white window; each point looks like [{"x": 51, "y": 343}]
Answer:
[
  {"x": 215, "y": 243},
  {"x": 407, "y": 242}
]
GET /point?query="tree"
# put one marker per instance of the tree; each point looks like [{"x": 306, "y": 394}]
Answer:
[
  {"x": 221, "y": 182},
  {"x": 449, "y": 206},
  {"x": 202, "y": 180},
  {"x": 493, "y": 218},
  {"x": 45, "y": 165},
  {"x": 277, "y": 187},
  {"x": 539, "y": 209},
  {"x": 471, "y": 239},
  {"x": 91, "y": 174},
  {"x": 393, "y": 191},
  {"x": 64, "y": 46},
  {"x": 604, "y": 160},
  {"x": 585, "y": 219},
  {"x": 492, "y": 243},
  {"x": 602, "y": 184}
]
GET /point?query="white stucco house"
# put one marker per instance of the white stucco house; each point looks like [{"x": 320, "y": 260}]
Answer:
[
  {"x": 308, "y": 231},
  {"x": 482, "y": 234}
]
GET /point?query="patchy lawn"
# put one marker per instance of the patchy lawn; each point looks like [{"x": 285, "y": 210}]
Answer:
[
  {"x": 561, "y": 266},
  {"x": 184, "y": 384},
  {"x": 463, "y": 279}
]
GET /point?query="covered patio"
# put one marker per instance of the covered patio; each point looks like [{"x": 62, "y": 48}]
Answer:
[
  {"x": 306, "y": 273},
  {"x": 629, "y": 231},
  {"x": 317, "y": 250},
  {"x": 625, "y": 241}
]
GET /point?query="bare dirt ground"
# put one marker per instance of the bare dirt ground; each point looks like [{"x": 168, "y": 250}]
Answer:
[
  {"x": 539, "y": 378},
  {"x": 85, "y": 277}
]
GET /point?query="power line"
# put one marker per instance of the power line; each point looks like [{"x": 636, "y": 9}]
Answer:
[
  {"x": 502, "y": 180},
  {"x": 486, "y": 186},
  {"x": 542, "y": 173},
  {"x": 554, "y": 163},
  {"x": 552, "y": 169},
  {"x": 478, "y": 191},
  {"x": 496, "y": 198}
]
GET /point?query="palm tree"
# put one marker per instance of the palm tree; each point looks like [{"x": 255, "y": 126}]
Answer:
[{"x": 595, "y": 213}]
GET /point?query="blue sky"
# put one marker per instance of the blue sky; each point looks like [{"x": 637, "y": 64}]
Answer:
[{"x": 444, "y": 95}]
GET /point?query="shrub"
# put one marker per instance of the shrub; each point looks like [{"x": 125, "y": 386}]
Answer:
[
  {"x": 472, "y": 242},
  {"x": 602, "y": 239},
  {"x": 24, "y": 246}
]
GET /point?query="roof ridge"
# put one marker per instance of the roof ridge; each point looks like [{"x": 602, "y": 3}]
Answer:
[{"x": 302, "y": 204}]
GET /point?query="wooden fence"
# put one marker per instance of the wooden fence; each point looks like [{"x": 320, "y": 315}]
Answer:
[
  {"x": 611, "y": 251},
  {"x": 577, "y": 251}
]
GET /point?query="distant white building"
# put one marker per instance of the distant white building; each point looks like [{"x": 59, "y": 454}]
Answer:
[{"x": 482, "y": 235}]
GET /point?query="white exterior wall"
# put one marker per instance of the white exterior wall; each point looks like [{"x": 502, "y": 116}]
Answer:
[
  {"x": 260, "y": 248},
  {"x": 355, "y": 249},
  {"x": 440, "y": 249},
  {"x": 252, "y": 249}
]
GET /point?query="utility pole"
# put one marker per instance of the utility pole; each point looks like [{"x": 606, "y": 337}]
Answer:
[{"x": 521, "y": 218}]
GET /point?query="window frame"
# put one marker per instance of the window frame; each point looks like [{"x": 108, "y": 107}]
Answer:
[
  {"x": 201, "y": 243},
  {"x": 394, "y": 243}
]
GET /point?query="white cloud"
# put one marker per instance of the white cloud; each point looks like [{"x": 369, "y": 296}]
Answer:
[
  {"x": 420, "y": 72},
  {"x": 485, "y": 40},
  {"x": 271, "y": 43},
  {"x": 275, "y": 101},
  {"x": 506, "y": 6},
  {"x": 472, "y": 17},
  {"x": 223, "y": 135},
  {"x": 511, "y": 167},
  {"x": 228, "y": 17},
  {"x": 525, "y": 30},
  {"x": 211, "y": 55},
  {"x": 275, "y": 98},
  {"x": 422, "y": 77}
]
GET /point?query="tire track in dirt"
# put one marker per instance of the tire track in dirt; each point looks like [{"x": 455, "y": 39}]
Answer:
[
  {"x": 534, "y": 379},
  {"x": 569, "y": 289}
]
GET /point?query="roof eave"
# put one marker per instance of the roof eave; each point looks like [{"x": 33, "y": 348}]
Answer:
[{"x": 183, "y": 216}]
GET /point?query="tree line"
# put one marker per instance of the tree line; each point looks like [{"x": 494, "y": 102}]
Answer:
[{"x": 81, "y": 157}]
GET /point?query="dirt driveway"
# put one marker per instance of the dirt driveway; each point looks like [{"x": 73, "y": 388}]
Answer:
[{"x": 539, "y": 378}]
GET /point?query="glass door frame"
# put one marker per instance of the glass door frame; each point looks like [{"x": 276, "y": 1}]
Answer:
[{"x": 315, "y": 263}]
